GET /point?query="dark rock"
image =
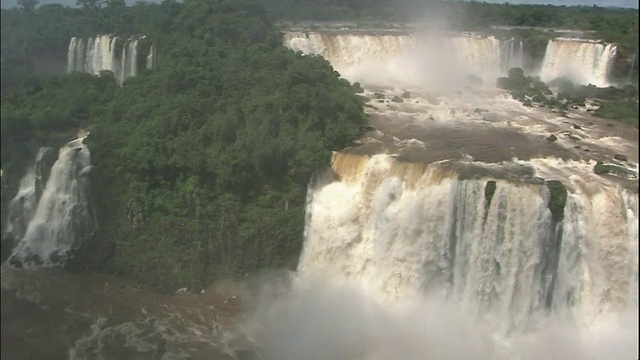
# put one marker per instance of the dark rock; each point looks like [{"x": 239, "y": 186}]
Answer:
[
  {"x": 357, "y": 88},
  {"x": 539, "y": 98},
  {"x": 577, "y": 127},
  {"x": 620, "y": 157},
  {"x": 571, "y": 136},
  {"x": 397, "y": 99},
  {"x": 406, "y": 95},
  {"x": 552, "y": 138}
]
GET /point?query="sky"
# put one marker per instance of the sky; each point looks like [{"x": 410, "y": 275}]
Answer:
[{"x": 603, "y": 3}]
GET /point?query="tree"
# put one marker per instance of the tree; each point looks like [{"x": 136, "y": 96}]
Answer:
[
  {"x": 27, "y": 5},
  {"x": 89, "y": 4}
]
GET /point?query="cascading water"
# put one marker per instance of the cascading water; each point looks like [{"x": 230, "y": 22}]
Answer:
[
  {"x": 415, "y": 59},
  {"x": 151, "y": 57},
  {"x": 107, "y": 52},
  {"x": 406, "y": 229},
  {"x": 512, "y": 55},
  {"x": 411, "y": 57},
  {"x": 440, "y": 253},
  {"x": 60, "y": 217},
  {"x": 582, "y": 62},
  {"x": 23, "y": 206}
]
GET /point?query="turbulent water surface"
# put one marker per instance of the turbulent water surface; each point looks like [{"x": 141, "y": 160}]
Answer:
[{"x": 434, "y": 237}]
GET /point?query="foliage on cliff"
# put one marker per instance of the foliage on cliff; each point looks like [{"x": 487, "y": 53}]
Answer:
[
  {"x": 613, "y": 103},
  {"x": 201, "y": 164}
]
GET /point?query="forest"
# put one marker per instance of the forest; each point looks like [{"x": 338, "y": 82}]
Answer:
[{"x": 202, "y": 164}]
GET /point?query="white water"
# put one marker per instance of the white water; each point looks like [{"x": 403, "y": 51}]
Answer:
[
  {"x": 429, "y": 60},
  {"x": 412, "y": 59},
  {"x": 102, "y": 53},
  {"x": 580, "y": 61},
  {"x": 405, "y": 260},
  {"x": 63, "y": 215},
  {"x": 403, "y": 231},
  {"x": 23, "y": 205}
]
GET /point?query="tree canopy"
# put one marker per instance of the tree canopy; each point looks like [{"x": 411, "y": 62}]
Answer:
[{"x": 201, "y": 164}]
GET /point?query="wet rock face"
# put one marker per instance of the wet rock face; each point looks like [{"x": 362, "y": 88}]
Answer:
[
  {"x": 621, "y": 69},
  {"x": 621, "y": 157}
]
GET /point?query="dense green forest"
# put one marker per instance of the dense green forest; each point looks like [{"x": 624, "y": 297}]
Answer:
[
  {"x": 201, "y": 164},
  {"x": 610, "y": 24}
]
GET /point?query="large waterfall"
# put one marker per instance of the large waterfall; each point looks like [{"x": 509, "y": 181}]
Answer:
[
  {"x": 581, "y": 61},
  {"x": 417, "y": 60},
  {"x": 107, "y": 52},
  {"x": 494, "y": 247},
  {"x": 456, "y": 228},
  {"x": 434, "y": 60},
  {"x": 49, "y": 220},
  {"x": 459, "y": 268}
]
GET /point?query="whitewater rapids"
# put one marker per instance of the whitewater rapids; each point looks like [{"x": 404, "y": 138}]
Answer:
[{"x": 434, "y": 238}]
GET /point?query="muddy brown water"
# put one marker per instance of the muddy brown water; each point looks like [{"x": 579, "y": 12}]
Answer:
[{"x": 51, "y": 314}]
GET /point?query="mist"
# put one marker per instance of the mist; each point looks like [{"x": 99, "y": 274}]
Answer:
[{"x": 315, "y": 319}]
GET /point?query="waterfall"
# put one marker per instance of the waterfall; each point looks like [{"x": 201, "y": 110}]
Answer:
[
  {"x": 423, "y": 59},
  {"x": 512, "y": 55},
  {"x": 632, "y": 68},
  {"x": 582, "y": 62},
  {"x": 151, "y": 58},
  {"x": 408, "y": 229},
  {"x": 108, "y": 52},
  {"x": 412, "y": 59},
  {"x": 49, "y": 225},
  {"x": 23, "y": 206}
]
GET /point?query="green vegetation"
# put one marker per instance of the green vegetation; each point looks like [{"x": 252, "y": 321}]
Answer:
[
  {"x": 201, "y": 165},
  {"x": 625, "y": 111},
  {"x": 527, "y": 89},
  {"x": 533, "y": 24},
  {"x": 489, "y": 190},
  {"x": 557, "y": 200},
  {"x": 602, "y": 169},
  {"x": 614, "y": 103}
]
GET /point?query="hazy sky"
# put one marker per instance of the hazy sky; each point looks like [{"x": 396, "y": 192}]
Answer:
[{"x": 604, "y": 3}]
